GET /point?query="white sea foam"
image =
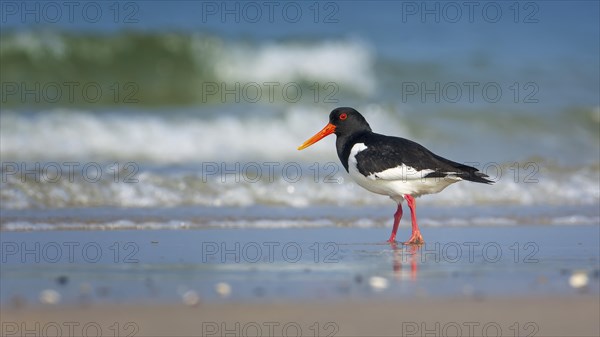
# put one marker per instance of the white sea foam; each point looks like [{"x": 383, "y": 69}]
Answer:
[
  {"x": 172, "y": 150},
  {"x": 173, "y": 187},
  {"x": 345, "y": 63},
  {"x": 282, "y": 223},
  {"x": 74, "y": 135},
  {"x": 60, "y": 134}
]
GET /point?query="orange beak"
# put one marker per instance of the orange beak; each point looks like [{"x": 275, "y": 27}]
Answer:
[{"x": 327, "y": 130}]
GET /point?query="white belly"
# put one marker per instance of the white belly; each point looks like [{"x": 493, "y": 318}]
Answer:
[{"x": 398, "y": 181}]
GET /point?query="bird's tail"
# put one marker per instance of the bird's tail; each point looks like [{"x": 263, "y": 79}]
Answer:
[
  {"x": 465, "y": 172},
  {"x": 472, "y": 174}
]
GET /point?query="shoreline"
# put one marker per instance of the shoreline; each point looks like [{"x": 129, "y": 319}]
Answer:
[{"x": 286, "y": 217}]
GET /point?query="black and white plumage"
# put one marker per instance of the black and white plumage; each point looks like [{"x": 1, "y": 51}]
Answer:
[{"x": 392, "y": 166}]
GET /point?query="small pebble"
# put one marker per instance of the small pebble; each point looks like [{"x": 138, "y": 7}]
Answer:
[
  {"x": 579, "y": 279},
  {"x": 191, "y": 298},
  {"x": 378, "y": 283},
  {"x": 49, "y": 296},
  {"x": 358, "y": 279},
  {"x": 62, "y": 280},
  {"x": 223, "y": 289}
]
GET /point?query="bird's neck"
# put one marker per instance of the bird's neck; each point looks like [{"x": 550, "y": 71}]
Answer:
[{"x": 344, "y": 144}]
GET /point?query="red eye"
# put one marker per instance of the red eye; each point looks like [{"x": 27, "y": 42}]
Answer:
[{"x": 343, "y": 116}]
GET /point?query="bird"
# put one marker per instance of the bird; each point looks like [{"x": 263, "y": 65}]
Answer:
[{"x": 397, "y": 167}]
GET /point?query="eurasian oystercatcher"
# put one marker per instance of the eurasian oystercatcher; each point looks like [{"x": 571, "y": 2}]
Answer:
[{"x": 392, "y": 166}]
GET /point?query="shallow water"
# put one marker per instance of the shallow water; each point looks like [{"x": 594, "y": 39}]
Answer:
[{"x": 300, "y": 264}]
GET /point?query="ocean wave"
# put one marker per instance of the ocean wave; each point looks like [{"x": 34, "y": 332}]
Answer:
[
  {"x": 257, "y": 133},
  {"x": 290, "y": 184},
  {"x": 328, "y": 61},
  {"x": 213, "y": 159},
  {"x": 168, "y": 68},
  {"x": 220, "y": 135}
]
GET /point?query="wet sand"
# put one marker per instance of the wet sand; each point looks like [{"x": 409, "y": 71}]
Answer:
[{"x": 466, "y": 281}]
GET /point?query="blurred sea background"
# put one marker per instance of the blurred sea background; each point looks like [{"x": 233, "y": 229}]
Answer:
[{"x": 188, "y": 114}]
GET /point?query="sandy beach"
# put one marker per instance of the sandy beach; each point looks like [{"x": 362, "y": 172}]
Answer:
[{"x": 431, "y": 317}]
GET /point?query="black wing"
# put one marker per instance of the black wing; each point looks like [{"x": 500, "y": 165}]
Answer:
[{"x": 385, "y": 152}]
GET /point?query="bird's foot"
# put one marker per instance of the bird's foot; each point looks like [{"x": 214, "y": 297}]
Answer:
[{"x": 415, "y": 239}]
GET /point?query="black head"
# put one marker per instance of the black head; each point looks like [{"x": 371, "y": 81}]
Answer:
[
  {"x": 342, "y": 122},
  {"x": 348, "y": 121}
]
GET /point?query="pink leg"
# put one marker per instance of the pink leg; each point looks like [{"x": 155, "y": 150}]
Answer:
[
  {"x": 415, "y": 238},
  {"x": 397, "y": 217}
]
